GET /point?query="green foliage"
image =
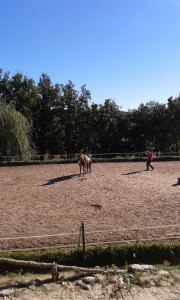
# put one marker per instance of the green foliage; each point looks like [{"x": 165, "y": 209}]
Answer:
[
  {"x": 14, "y": 132},
  {"x": 117, "y": 255},
  {"x": 63, "y": 121},
  {"x": 173, "y": 116}
]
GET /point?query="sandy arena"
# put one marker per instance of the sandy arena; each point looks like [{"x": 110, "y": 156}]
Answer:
[{"x": 116, "y": 201}]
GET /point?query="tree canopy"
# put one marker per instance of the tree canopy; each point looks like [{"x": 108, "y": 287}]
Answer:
[{"x": 63, "y": 120}]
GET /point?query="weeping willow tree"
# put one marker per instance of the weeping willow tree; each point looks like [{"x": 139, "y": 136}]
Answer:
[{"x": 15, "y": 132}]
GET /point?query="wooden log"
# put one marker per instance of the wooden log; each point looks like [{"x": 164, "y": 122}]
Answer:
[{"x": 48, "y": 266}]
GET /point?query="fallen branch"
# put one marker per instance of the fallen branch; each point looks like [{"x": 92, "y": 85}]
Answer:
[{"x": 33, "y": 264}]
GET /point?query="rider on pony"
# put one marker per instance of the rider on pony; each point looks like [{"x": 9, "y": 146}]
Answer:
[{"x": 86, "y": 152}]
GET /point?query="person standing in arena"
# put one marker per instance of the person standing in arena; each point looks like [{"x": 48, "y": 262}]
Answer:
[{"x": 149, "y": 154}]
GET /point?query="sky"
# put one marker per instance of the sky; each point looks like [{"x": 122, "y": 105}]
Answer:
[{"x": 124, "y": 50}]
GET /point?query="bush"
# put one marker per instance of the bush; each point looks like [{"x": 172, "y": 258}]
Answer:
[{"x": 118, "y": 255}]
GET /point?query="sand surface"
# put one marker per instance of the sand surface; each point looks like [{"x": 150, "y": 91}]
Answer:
[{"x": 116, "y": 202}]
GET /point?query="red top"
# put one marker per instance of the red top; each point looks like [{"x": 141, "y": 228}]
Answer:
[{"x": 149, "y": 154}]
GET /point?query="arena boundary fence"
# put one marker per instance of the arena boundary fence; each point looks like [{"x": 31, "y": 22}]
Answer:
[
  {"x": 63, "y": 157},
  {"x": 89, "y": 238}
]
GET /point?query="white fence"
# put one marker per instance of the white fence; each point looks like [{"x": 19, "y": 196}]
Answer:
[
  {"x": 92, "y": 238},
  {"x": 61, "y": 157}
]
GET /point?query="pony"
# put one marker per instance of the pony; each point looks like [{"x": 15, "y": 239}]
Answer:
[
  {"x": 89, "y": 162},
  {"x": 84, "y": 163}
]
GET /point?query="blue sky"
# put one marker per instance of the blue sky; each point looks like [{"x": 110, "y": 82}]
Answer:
[{"x": 126, "y": 50}]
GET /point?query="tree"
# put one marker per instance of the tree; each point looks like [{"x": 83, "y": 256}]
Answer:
[
  {"x": 149, "y": 127},
  {"x": 21, "y": 92},
  {"x": 107, "y": 119},
  {"x": 82, "y": 119},
  {"x": 57, "y": 138},
  {"x": 44, "y": 114},
  {"x": 5, "y": 94},
  {"x": 157, "y": 126},
  {"x": 15, "y": 132},
  {"x": 173, "y": 116},
  {"x": 68, "y": 116}
]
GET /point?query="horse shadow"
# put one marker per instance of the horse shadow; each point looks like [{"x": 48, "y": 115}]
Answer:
[
  {"x": 59, "y": 179},
  {"x": 175, "y": 184},
  {"x": 130, "y": 173}
]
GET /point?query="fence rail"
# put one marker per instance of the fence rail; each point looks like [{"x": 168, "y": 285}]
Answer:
[
  {"x": 96, "y": 237},
  {"x": 61, "y": 157}
]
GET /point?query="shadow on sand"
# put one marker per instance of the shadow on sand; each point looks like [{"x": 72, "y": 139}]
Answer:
[
  {"x": 175, "y": 184},
  {"x": 18, "y": 285},
  {"x": 130, "y": 173},
  {"x": 59, "y": 179}
]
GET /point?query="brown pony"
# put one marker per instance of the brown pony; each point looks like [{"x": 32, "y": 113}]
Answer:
[{"x": 84, "y": 163}]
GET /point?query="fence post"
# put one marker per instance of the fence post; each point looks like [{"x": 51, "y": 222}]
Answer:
[
  {"x": 83, "y": 238},
  {"x": 79, "y": 240}
]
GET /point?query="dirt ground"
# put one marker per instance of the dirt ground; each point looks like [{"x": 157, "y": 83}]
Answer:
[{"x": 116, "y": 202}]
